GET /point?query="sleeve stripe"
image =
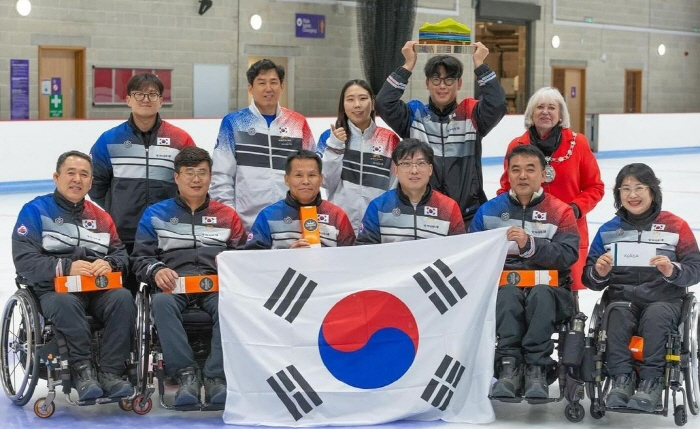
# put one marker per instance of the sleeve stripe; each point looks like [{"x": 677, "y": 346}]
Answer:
[
  {"x": 490, "y": 76},
  {"x": 398, "y": 85}
]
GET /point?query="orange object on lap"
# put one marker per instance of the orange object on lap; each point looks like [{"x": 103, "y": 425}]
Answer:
[
  {"x": 66, "y": 284},
  {"x": 197, "y": 284},
  {"x": 529, "y": 278}
]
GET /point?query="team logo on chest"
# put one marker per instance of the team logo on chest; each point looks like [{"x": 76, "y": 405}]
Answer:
[
  {"x": 163, "y": 141},
  {"x": 89, "y": 223},
  {"x": 174, "y": 220},
  {"x": 58, "y": 221},
  {"x": 396, "y": 211},
  {"x": 208, "y": 220},
  {"x": 287, "y": 220},
  {"x": 22, "y": 230},
  {"x": 251, "y": 131},
  {"x": 539, "y": 215},
  {"x": 505, "y": 216},
  {"x": 127, "y": 143}
]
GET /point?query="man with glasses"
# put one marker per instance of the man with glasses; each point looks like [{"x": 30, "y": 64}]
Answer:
[
  {"x": 133, "y": 162},
  {"x": 454, "y": 130},
  {"x": 181, "y": 237},
  {"x": 413, "y": 210},
  {"x": 253, "y": 145}
]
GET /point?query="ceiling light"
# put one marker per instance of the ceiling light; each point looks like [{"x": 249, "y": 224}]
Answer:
[
  {"x": 556, "y": 42},
  {"x": 256, "y": 22}
]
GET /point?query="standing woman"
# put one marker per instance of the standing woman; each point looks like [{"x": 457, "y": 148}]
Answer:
[
  {"x": 356, "y": 153},
  {"x": 571, "y": 173}
]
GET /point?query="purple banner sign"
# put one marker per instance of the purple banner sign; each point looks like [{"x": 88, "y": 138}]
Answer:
[
  {"x": 56, "y": 85},
  {"x": 308, "y": 25},
  {"x": 19, "y": 89}
]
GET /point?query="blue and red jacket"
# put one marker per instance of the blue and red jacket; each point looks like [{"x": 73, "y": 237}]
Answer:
[{"x": 52, "y": 232}]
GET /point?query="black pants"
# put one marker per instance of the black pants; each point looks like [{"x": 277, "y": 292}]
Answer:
[
  {"x": 653, "y": 322},
  {"x": 526, "y": 319},
  {"x": 114, "y": 308}
]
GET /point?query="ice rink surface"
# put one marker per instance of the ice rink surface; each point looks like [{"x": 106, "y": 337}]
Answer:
[{"x": 680, "y": 183}]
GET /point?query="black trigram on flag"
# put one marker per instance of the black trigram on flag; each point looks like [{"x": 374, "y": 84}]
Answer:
[
  {"x": 439, "y": 391},
  {"x": 294, "y": 391},
  {"x": 290, "y": 295},
  {"x": 441, "y": 286}
]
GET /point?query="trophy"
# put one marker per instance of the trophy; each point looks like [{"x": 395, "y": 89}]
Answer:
[{"x": 444, "y": 37}]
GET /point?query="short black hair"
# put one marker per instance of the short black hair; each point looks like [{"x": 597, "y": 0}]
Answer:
[
  {"x": 192, "y": 156},
  {"x": 645, "y": 175},
  {"x": 527, "y": 150},
  {"x": 62, "y": 158},
  {"x": 302, "y": 154},
  {"x": 453, "y": 66},
  {"x": 409, "y": 147},
  {"x": 139, "y": 82},
  {"x": 261, "y": 66}
]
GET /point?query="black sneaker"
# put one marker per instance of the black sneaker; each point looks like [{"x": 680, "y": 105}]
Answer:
[
  {"x": 188, "y": 392},
  {"x": 84, "y": 381},
  {"x": 114, "y": 385},
  {"x": 215, "y": 390},
  {"x": 536, "y": 382},
  {"x": 648, "y": 396},
  {"x": 510, "y": 380},
  {"x": 622, "y": 388}
]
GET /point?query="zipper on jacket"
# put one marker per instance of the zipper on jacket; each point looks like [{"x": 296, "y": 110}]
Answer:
[
  {"x": 194, "y": 245},
  {"x": 269, "y": 142},
  {"x": 444, "y": 164},
  {"x": 415, "y": 223},
  {"x": 148, "y": 185}
]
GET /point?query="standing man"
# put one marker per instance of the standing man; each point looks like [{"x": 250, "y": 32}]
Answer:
[
  {"x": 133, "y": 162},
  {"x": 413, "y": 210},
  {"x": 61, "y": 234},
  {"x": 181, "y": 237},
  {"x": 454, "y": 130},
  {"x": 253, "y": 145},
  {"x": 545, "y": 238}
]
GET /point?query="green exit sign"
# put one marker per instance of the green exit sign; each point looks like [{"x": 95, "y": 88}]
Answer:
[{"x": 588, "y": 19}]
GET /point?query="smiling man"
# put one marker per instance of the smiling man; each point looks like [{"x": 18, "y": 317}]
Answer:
[
  {"x": 278, "y": 226},
  {"x": 253, "y": 144},
  {"x": 413, "y": 210},
  {"x": 453, "y": 129},
  {"x": 133, "y": 162},
  {"x": 544, "y": 235}
]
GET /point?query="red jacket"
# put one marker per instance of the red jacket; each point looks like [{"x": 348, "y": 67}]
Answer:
[{"x": 577, "y": 181}]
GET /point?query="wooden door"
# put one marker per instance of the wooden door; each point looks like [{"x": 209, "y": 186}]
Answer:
[
  {"x": 571, "y": 82},
  {"x": 66, "y": 63}
]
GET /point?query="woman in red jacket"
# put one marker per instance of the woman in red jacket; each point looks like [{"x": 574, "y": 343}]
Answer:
[{"x": 571, "y": 173}]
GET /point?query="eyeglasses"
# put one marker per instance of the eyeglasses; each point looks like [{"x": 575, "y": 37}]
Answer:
[
  {"x": 408, "y": 166},
  {"x": 140, "y": 96},
  {"x": 638, "y": 190},
  {"x": 449, "y": 81},
  {"x": 190, "y": 174}
]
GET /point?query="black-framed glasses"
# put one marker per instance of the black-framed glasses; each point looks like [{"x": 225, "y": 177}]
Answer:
[
  {"x": 449, "y": 81},
  {"x": 140, "y": 96}
]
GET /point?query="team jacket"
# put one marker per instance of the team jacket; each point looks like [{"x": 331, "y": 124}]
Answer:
[
  {"x": 278, "y": 225},
  {"x": 672, "y": 237},
  {"x": 356, "y": 173},
  {"x": 391, "y": 218},
  {"x": 171, "y": 235},
  {"x": 550, "y": 223},
  {"x": 249, "y": 158},
  {"x": 577, "y": 179},
  {"x": 130, "y": 174},
  {"x": 52, "y": 232},
  {"x": 455, "y": 134}
]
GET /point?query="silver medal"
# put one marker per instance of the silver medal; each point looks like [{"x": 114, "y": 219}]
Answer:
[{"x": 549, "y": 173}]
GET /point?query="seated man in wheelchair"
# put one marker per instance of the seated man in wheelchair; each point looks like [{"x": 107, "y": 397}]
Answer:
[
  {"x": 62, "y": 234},
  {"x": 544, "y": 235},
  {"x": 181, "y": 237},
  {"x": 279, "y": 225},
  {"x": 655, "y": 287}
]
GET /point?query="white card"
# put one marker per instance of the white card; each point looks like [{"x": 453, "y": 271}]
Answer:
[{"x": 633, "y": 254}]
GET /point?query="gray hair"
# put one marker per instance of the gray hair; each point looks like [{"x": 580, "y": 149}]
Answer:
[{"x": 547, "y": 94}]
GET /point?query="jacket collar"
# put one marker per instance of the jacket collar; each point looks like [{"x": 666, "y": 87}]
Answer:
[
  {"x": 68, "y": 205},
  {"x": 253, "y": 108},
  {"x": 136, "y": 129},
  {"x": 294, "y": 203},
  {"x": 404, "y": 198},
  {"x": 537, "y": 198},
  {"x": 182, "y": 203},
  {"x": 445, "y": 112},
  {"x": 354, "y": 130}
]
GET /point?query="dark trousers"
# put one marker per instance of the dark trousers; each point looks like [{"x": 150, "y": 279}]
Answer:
[
  {"x": 653, "y": 322},
  {"x": 525, "y": 322},
  {"x": 167, "y": 311},
  {"x": 114, "y": 308}
]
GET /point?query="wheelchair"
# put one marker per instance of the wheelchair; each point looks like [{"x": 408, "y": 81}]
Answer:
[
  {"x": 32, "y": 349},
  {"x": 568, "y": 339},
  {"x": 198, "y": 325},
  {"x": 681, "y": 370}
]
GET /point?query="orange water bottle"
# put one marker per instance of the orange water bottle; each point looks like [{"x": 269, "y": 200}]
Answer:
[{"x": 310, "y": 228}]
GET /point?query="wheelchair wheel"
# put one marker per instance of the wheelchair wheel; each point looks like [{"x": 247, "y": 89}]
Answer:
[
  {"x": 40, "y": 411},
  {"x": 680, "y": 416},
  {"x": 690, "y": 372},
  {"x": 20, "y": 362},
  {"x": 143, "y": 338},
  {"x": 574, "y": 412}
]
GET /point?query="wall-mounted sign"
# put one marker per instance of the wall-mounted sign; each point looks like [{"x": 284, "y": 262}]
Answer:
[
  {"x": 56, "y": 106},
  {"x": 308, "y": 25},
  {"x": 56, "y": 85},
  {"x": 19, "y": 89}
]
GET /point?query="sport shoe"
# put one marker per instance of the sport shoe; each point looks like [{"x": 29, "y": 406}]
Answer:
[
  {"x": 510, "y": 380},
  {"x": 114, "y": 385},
  {"x": 622, "y": 388},
  {"x": 215, "y": 390},
  {"x": 188, "y": 392},
  {"x": 84, "y": 381},
  {"x": 536, "y": 383},
  {"x": 648, "y": 396}
]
